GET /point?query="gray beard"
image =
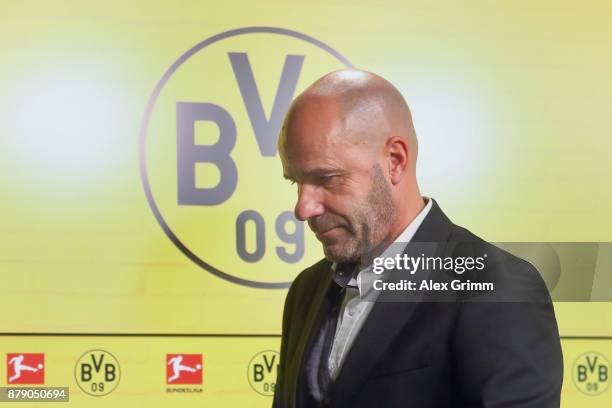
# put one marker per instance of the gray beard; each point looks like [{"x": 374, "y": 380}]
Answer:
[{"x": 376, "y": 215}]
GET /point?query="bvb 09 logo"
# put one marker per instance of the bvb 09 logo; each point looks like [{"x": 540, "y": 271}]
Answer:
[
  {"x": 591, "y": 373},
  {"x": 208, "y": 157},
  {"x": 262, "y": 372},
  {"x": 97, "y": 372}
]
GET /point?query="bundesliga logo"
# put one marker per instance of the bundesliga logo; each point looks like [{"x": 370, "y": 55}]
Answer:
[
  {"x": 183, "y": 369},
  {"x": 25, "y": 368}
]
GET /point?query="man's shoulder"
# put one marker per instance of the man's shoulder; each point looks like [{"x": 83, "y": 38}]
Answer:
[
  {"x": 464, "y": 241},
  {"x": 311, "y": 277},
  {"x": 305, "y": 286},
  {"x": 517, "y": 278}
]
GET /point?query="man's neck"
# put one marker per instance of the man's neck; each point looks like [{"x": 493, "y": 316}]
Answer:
[{"x": 408, "y": 212}]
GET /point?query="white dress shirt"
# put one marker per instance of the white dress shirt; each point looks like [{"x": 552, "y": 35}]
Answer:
[{"x": 354, "y": 310}]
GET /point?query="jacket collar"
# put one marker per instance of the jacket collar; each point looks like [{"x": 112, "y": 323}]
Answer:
[{"x": 382, "y": 324}]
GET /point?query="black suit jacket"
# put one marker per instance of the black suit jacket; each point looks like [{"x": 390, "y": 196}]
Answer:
[{"x": 433, "y": 354}]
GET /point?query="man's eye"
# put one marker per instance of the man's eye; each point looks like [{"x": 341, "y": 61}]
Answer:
[{"x": 329, "y": 180}]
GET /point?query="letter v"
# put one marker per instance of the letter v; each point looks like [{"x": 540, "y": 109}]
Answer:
[{"x": 266, "y": 130}]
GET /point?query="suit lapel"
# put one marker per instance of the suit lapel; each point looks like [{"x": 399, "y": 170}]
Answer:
[
  {"x": 382, "y": 325},
  {"x": 312, "y": 321}
]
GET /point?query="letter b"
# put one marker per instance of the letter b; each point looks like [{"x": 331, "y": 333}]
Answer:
[
  {"x": 582, "y": 373},
  {"x": 189, "y": 153},
  {"x": 603, "y": 373},
  {"x": 109, "y": 372},
  {"x": 85, "y": 372},
  {"x": 258, "y": 372}
]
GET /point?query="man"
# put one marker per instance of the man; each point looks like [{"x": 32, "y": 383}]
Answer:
[{"x": 349, "y": 145}]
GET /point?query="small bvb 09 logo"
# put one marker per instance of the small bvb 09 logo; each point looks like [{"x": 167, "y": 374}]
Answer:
[
  {"x": 97, "y": 373},
  {"x": 591, "y": 373},
  {"x": 262, "y": 372}
]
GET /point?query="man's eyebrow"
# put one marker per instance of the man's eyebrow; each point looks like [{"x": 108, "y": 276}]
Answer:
[
  {"x": 322, "y": 172},
  {"x": 316, "y": 173}
]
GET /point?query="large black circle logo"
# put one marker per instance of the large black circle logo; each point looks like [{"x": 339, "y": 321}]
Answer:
[{"x": 241, "y": 185}]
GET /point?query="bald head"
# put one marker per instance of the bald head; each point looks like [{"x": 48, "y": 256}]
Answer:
[
  {"x": 349, "y": 144},
  {"x": 367, "y": 109}
]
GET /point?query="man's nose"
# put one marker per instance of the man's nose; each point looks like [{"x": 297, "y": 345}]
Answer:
[{"x": 309, "y": 203}]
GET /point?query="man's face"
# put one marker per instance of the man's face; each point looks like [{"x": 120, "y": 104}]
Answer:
[{"x": 342, "y": 191}]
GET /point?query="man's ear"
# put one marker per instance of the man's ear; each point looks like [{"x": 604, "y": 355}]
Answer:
[{"x": 398, "y": 156}]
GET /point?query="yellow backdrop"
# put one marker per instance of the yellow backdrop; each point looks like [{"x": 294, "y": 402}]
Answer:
[{"x": 143, "y": 210}]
